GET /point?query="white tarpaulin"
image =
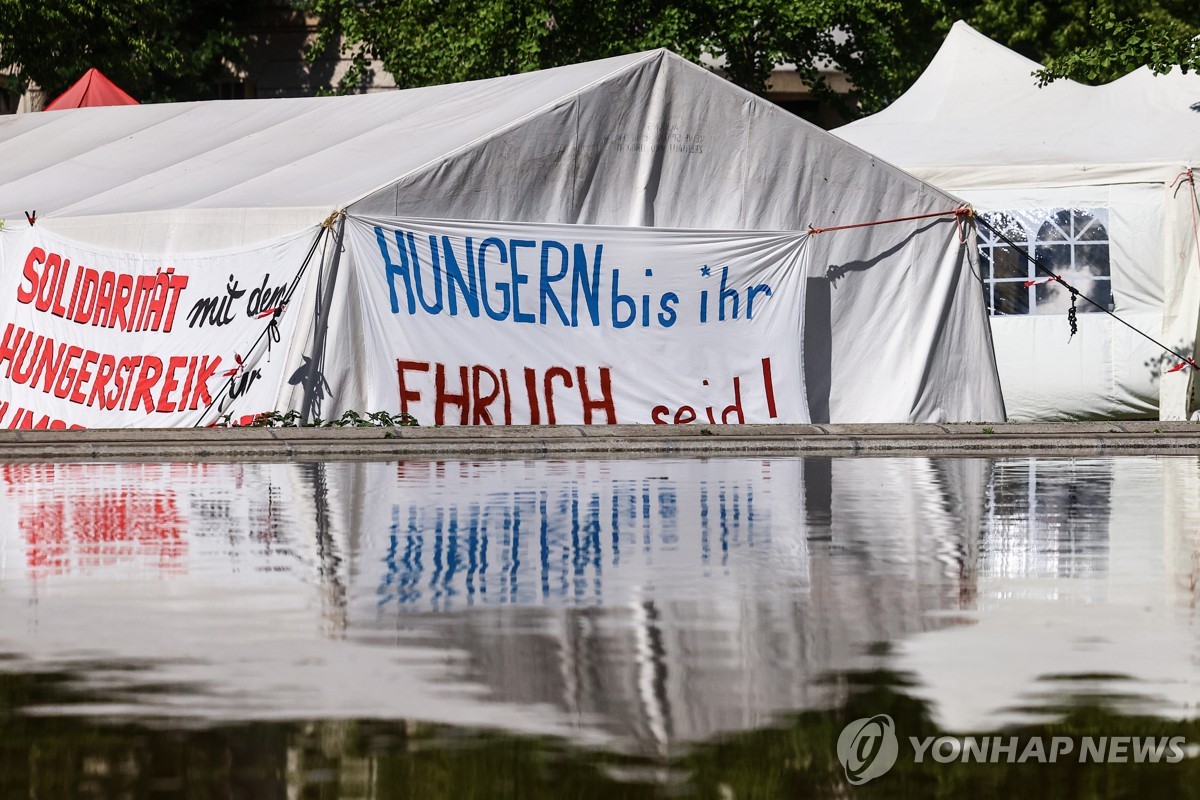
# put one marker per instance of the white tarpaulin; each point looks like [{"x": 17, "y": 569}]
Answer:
[
  {"x": 98, "y": 338},
  {"x": 486, "y": 323},
  {"x": 1091, "y": 180},
  {"x": 895, "y": 326}
]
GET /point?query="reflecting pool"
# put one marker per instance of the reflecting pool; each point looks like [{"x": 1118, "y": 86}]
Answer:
[{"x": 597, "y": 628}]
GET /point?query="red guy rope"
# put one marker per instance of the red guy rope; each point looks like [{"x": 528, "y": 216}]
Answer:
[{"x": 961, "y": 211}]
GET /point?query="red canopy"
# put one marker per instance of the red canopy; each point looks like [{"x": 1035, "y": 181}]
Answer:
[{"x": 93, "y": 89}]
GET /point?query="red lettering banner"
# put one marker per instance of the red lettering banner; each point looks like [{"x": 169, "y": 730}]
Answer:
[{"x": 95, "y": 338}]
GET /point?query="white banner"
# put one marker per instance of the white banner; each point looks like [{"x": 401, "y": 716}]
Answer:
[
  {"x": 487, "y": 323},
  {"x": 95, "y": 338}
]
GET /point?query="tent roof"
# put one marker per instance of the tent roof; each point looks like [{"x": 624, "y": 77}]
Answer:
[
  {"x": 328, "y": 152},
  {"x": 93, "y": 89},
  {"x": 978, "y": 104},
  {"x": 286, "y": 152}
]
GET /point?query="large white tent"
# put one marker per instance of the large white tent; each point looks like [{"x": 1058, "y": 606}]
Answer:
[
  {"x": 894, "y": 324},
  {"x": 1094, "y": 180}
]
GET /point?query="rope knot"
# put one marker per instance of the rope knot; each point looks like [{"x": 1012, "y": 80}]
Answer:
[{"x": 1072, "y": 318}]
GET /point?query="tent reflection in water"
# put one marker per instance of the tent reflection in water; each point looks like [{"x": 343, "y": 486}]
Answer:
[
  {"x": 893, "y": 329},
  {"x": 1094, "y": 182}
]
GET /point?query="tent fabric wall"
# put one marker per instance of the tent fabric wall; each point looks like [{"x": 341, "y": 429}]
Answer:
[
  {"x": 976, "y": 124},
  {"x": 641, "y": 140},
  {"x": 1107, "y": 370}
]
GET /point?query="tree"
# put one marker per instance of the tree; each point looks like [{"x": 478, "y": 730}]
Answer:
[
  {"x": 179, "y": 49},
  {"x": 882, "y": 44},
  {"x": 423, "y": 42},
  {"x": 154, "y": 49},
  {"x": 1093, "y": 40},
  {"x": 1127, "y": 44}
]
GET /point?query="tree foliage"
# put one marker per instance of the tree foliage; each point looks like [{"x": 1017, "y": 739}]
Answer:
[
  {"x": 154, "y": 49},
  {"x": 180, "y": 49},
  {"x": 1092, "y": 40},
  {"x": 1125, "y": 45},
  {"x": 423, "y": 42},
  {"x": 881, "y": 45}
]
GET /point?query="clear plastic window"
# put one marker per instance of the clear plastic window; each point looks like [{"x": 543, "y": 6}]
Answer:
[{"x": 1071, "y": 242}]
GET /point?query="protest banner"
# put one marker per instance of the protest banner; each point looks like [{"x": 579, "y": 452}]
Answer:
[
  {"x": 489, "y": 323},
  {"x": 96, "y": 338}
]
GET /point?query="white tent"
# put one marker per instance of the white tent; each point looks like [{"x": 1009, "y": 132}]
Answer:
[
  {"x": 1091, "y": 179},
  {"x": 646, "y": 140}
]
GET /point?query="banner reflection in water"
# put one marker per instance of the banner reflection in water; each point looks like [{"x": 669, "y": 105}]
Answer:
[{"x": 651, "y": 600}]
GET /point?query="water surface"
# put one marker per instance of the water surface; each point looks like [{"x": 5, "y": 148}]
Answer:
[{"x": 647, "y": 627}]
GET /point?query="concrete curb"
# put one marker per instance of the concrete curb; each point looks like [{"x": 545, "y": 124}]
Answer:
[{"x": 324, "y": 444}]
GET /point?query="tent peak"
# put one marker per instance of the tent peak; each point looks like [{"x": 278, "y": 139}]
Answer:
[{"x": 92, "y": 89}]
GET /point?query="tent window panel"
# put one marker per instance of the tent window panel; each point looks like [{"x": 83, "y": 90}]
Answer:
[
  {"x": 1056, "y": 258},
  {"x": 1093, "y": 231},
  {"x": 1092, "y": 259},
  {"x": 1011, "y": 226},
  {"x": 1053, "y": 298},
  {"x": 1009, "y": 297},
  {"x": 1008, "y": 263},
  {"x": 1052, "y": 229},
  {"x": 1071, "y": 242}
]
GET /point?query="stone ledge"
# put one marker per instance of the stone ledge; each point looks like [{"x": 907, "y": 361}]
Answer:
[{"x": 316, "y": 444}]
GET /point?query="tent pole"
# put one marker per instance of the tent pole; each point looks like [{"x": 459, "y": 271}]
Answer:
[{"x": 315, "y": 385}]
